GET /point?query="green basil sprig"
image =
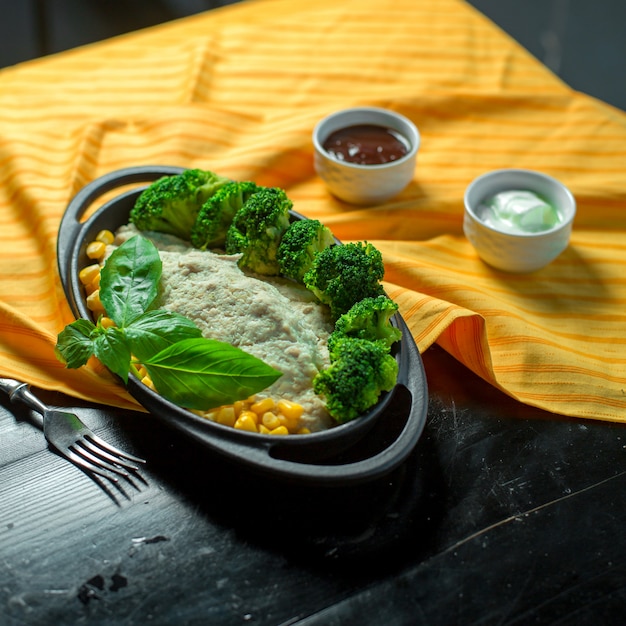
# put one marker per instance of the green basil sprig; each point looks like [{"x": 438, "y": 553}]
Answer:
[{"x": 187, "y": 369}]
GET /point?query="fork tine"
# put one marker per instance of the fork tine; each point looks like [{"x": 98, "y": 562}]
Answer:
[
  {"x": 100, "y": 451},
  {"x": 113, "y": 450},
  {"x": 90, "y": 467},
  {"x": 101, "y": 463}
]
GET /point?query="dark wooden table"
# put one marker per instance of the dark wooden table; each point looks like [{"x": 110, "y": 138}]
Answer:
[{"x": 502, "y": 515}]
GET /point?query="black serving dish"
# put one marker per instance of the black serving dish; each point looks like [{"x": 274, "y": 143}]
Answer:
[{"x": 365, "y": 449}]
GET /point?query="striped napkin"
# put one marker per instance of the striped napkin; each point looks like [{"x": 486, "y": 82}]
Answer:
[{"x": 239, "y": 89}]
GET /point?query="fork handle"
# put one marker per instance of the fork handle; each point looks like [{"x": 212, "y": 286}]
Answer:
[{"x": 18, "y": 391}]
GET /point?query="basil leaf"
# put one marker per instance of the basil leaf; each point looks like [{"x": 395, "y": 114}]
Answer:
[
  {"x": 74, "y": 345},
  {"x": 191, "y": 371},
  {"x": 156, "y": 330},
  {"x": 204, "y": 373},
  {"x": 112, "y": 350},
  {"x": 129, "y": 280}
]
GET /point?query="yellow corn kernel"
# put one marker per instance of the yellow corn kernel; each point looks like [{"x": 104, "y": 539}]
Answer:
[
  {"x": 281, "y": 430},
  {"x": 290, "y": 424},
  {"x": 93, "y": 301},
  {"x": 88, "y": 273},
  {"x": 95, "y": 249},
  {"x": 105, "y": 236},
  {"x": 262, "y": 406},
  {"x": 226, "y": 416},
  {"x": 246, "y": 422},
  {"x": 147, "y": 381},
  {"x": 93, "y": 285},
  {"x": 250, "y": 415},
  {"x": 270, "y": 420},
  {"x": 107, "y": 322},
  {"x": 209, "y": 415},
  {"x": 290, "y": 410},
  {"x": 239, "y": 406}
]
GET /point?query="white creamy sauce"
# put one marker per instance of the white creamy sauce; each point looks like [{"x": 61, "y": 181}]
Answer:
[
  {"x": 518, "y": 211},
  {"x": 271, "y": 318}
]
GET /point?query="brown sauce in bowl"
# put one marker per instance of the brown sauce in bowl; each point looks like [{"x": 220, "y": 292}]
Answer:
[{"x": 366, "y": 144}]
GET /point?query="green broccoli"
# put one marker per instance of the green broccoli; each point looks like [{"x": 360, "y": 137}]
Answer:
[
  {"x": 369, "y": 319},
  {"x": 217, "y": 213},
  {"x": 299, "y": 246},
  {"x": 171, "y": 203},
  {"x": 342, "y": 275},
  {"x": 360, "y": 370},
  {"x": 257, "y": 229}
]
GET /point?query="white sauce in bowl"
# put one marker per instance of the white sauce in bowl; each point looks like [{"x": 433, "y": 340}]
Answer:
[{"x": 518, "y": 211}]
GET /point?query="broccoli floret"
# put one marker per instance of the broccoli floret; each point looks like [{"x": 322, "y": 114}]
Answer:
[
  {"x": 303, "y": 240},
  {"x": 343, "y": 275},
  {"x": 257, "y": 229},
  {"x": 217, "y": 213},
  {"x": 369, "y": 319},
  {"x": 359, "y": 372},
  {"x": 171, "y": 203}
]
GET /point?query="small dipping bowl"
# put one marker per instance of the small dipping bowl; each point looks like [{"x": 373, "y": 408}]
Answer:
[
  {"x": 359, "y": 183},
  {"x": 519, "y": 251}
]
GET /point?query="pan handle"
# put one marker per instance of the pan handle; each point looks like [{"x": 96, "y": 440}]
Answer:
[
  {"x": 128, "y": 176},
  {"x": 71, "y": 224}
]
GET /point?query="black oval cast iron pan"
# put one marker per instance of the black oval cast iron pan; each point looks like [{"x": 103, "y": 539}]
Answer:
[{"x": 362, "y": 450}]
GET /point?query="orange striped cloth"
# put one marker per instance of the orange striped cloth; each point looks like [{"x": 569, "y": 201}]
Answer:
[{"x": 238, "y": 90}]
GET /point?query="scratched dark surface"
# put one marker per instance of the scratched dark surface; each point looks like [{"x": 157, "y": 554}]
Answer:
[{"x": 502, "y": 515}]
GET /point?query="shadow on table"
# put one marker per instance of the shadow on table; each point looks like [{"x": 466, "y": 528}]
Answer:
[
  {"x": 385, "y": 520},
  {"x": 477, "y": 445}
]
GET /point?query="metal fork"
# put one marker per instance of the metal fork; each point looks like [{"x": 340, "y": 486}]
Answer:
[{"x": 65, "y": 432}]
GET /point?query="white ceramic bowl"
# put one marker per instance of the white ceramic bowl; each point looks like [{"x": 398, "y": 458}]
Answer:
[
  {"x": 521, "y": 251},
  {"x": 365, "y": 184}
]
